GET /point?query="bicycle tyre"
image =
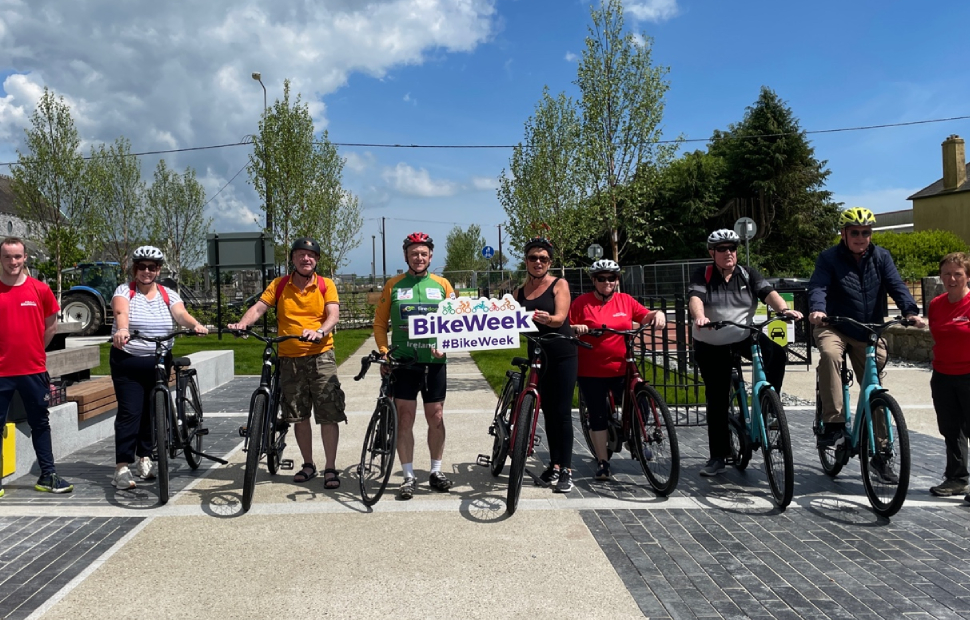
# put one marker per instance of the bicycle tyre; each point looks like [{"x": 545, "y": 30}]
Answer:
[
  {"x": 257, "y": 413},
  {"x": 161, "y": 402},
  {"x": 831, "y": 462},
  {"x": 739, "y": 440},
  {"x": 191, "y": 422},
  {"x": 885, "y": 503},
  {"x": 501, "y": 427},
  {"x": 779, "y": 464},
  {"x": 654, "y": 430},
  {"x": 380, "y": 445},
  {"x": 277, "y": 440},
  {"x": 520, "y": 450}
]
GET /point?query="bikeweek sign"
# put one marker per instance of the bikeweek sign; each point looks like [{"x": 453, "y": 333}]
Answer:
[{"x": 465, "y": 324}]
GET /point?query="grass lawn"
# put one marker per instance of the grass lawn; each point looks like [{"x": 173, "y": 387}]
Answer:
[{"x": 248, "y": 353}]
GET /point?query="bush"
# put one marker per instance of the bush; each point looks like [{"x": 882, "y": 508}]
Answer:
[{"x": 918, "y": 254}]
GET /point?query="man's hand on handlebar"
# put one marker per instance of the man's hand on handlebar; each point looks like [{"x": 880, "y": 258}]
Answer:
[
  {"x": 817, "y": 318},
  {"x": 579, "y": 330},
  {"x": 916, "y": 319}
]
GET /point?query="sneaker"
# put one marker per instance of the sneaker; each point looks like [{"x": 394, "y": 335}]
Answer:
[
  {"x": 407, "y": 488},
  {"x": 949, "y": 487},
  {"x": 713, "y": 468},
  {"x": 884, "y": 473},
  {"x": 123, "y": 479},
  {"x": 604, "y": 473},
  {"x": 52, "y": 483},
  {"x": 147, "y": 468},
  {"x": 565, "y": 482},
  {"x": 550, "y": 476},
  {"x": 831, "y": 436},
  {"x": 438, "y": 481}
]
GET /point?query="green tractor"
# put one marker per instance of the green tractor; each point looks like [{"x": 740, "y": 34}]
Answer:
[{"x": 88, "y": 301}]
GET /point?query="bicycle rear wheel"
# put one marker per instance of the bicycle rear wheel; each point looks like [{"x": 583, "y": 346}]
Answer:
[
  {"x": 778, "y": 457},
  {"x": 655, "y": 440},
  {"x": 890, "y": 456},
  {"x": 520, "y": 450},
  {"x": 191, "y": 421},
  {"x": 277, "y": 438},
  {"x": 161, "y": 408},
  {"x": 501, "y": 426},
  {"x": 740, "y": 443},
  {"x": 257, "y": 415},
  {"x": 377, "y": 455}
]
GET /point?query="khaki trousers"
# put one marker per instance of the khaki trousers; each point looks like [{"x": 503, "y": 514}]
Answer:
[{"x": 831, "y": 343}]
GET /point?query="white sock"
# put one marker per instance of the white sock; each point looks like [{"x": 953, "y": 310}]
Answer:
[
  {"x": 408, "y": 469},
  {"x": 435, "y": 466}
]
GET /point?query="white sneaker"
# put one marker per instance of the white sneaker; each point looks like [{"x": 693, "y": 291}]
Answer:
[
  {"x": 123, "y": 479},
  {"x": 147, "y": 468}
]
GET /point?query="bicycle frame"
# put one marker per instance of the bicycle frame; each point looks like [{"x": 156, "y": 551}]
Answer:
[
  {"x": 751, "y": 412},
  {"x": 268, "y": 385},
  {"x": 531, "y": 386}
]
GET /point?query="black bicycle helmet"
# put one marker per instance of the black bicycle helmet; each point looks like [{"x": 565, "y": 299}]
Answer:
[
  {"x": 538, "y": 242},
  {"x": 418, "y": 238},
  {"x": 305, "y": 243}
]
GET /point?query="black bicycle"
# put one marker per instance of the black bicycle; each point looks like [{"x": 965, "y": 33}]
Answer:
[
  {"x": 181, "y": 429},
  {"x": 380, "y": 440},
  {"x": 265, "y": 431}
]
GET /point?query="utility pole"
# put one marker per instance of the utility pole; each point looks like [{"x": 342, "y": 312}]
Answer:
[
  {"x": 384, "y": 249},
  {"x": 373, "y": 259},
  {"x": 501, "y": 256}
]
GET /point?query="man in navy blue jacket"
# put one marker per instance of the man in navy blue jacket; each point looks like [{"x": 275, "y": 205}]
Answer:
[{"x": 852, "y": 279}]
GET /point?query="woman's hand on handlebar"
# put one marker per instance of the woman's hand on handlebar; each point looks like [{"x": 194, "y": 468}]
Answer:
[
  {"x": 658, "y": 319},
  {"x": 120, "y": 338},
  {"x": 201, "y": 329},
  {"x": 701, "y": 321},
  {"x": 791, "y": 314}
]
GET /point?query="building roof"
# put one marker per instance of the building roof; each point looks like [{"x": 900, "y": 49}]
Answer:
[{"x": 937, "y": 188}]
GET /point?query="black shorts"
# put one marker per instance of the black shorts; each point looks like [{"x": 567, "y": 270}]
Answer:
[{"x": 429, "y": 379}]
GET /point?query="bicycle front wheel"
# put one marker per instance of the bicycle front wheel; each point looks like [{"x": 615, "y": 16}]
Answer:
[
  {"x": 501, "y": 428},
  {"x": 777, "y": 452},
  {"x": 191, "y": 421},
  {"x": 520, "y": 450},
  {"x": 277, "y": 439},
  {"x": 257, "y": 415},
  {"x": 655, "y": 440},
  {"x": 377, "y": 455},
  {"x": 884, "y": 455},
  {"x": 161, "y": 408}
]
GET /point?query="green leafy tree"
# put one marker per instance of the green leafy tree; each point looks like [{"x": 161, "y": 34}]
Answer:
[
  {"x": 118, "y": 210},
  {"x": 178, "y": 224},
  {"x": 918, "y": 254},
  {"x": 622, "y": 108},
  {"x": 48, "y": 181},
  {"x": 464, "y": 250}
]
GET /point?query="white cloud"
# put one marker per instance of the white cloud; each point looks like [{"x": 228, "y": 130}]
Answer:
[
  {"x": 417, "y": 182},
  {"x": 358, "y": 162},
  {"x": 570, "y": 57},
  {"x": 484, "y": 183},
  {"x": 879, "y": 200},
  {"x": 651, "y": 10},
  {"x": 409, "y": 99}
]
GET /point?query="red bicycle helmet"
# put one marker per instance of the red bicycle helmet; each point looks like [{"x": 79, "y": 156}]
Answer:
[{"x": 418, "y": 238}]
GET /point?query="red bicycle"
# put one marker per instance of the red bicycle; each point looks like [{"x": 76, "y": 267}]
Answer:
[
  {"x": 516, "y": 415},
  {"x": 642, "y": 422}
]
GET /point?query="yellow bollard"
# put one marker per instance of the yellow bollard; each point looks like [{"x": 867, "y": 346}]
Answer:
[{"x": 9, "y": 449}]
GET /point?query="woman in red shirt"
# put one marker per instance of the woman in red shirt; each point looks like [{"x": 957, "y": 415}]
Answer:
[
  {"x": 602, "y": 368},
  {"x": 949, "y": 318}
]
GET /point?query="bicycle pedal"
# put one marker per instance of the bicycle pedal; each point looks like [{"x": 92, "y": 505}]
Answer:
[
  {"x": 491, "y": 431},
  {"x": 484, "y": 460},
  {"x": 243, "y": 431},
  {"x": 286, "y": 464},
  {"x": 202, "y": 431}
]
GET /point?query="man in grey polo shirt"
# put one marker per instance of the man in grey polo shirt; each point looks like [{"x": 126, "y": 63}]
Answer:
[{"x": 725, "y": 291}]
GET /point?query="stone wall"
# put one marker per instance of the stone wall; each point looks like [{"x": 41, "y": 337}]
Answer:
[{"x": 913, "y": 344}]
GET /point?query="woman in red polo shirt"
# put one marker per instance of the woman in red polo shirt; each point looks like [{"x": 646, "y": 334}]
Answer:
[{"x": 602, "y": 368}]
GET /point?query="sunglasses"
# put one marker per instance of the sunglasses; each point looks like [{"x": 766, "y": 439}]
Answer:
[
  {"x": 860, "y": 233},
  {"x": 726, "y": 248},
  {"x": 605, "y": 278},
  {"x": 534, "y": 258},
  {"x": 144, "y": 267}
]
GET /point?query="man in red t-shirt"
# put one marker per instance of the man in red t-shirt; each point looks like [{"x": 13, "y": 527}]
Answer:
[
  {"x": 29, "y": 312},
  {"x": 602, "y": 368}
]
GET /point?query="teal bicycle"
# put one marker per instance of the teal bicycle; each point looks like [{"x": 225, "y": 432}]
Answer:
[
  {"x": 876, "y": 433},
  {"x": 762, "y": 425}
]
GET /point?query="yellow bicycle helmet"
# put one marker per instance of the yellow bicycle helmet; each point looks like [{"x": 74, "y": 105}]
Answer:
[{"x": 856, "y": 216}]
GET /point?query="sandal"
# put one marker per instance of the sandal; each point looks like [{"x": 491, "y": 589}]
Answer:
[
  {"x": 331, "y": 483},
  {"x": 303, "y": 475}
]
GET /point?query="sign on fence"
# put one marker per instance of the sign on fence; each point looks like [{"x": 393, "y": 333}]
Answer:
[{"x": 473, "y": 324}]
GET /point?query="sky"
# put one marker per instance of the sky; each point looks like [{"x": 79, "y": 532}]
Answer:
[{"x": 177, "y": 74}]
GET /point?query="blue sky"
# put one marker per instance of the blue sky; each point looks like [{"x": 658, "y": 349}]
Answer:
[{"x": 462, "y": 72}]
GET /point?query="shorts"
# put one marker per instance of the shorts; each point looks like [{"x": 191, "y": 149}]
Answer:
[
  {"x": 310, "y": 383},
  {"x": 429, "y": 379}
]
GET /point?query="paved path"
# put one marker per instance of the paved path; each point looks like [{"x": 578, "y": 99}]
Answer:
[{"x": 715, "y": 549}]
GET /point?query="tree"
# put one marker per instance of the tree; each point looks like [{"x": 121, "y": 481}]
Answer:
[
  {"x": 178, "y": 224},
  {"x": 622, "y": 104},
  {"x": 49, "y": 184},
  {"x": 917, "y": 254},
  {"x": 118, "y": 210},
  {"x": 341, "y": 230},
  {"x": 542, "y": 191},
  {"x": 464, "y": 250}
]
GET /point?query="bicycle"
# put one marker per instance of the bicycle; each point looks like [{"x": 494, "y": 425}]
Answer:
[
  {"x": 263, "y": 424},
  {"x": 380, "y": 440},
  {"x": 763, "y": 425},
  {"x": 514, "y": 425},
  {"x": 877, "y": 432},
  {"x": 182, "y": 428},
  {"x": 642, "y": 422}
]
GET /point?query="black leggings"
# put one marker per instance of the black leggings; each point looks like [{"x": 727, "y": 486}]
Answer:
[
  {"x": 133, "y": 377},
  {"x": 557, "y": 382},
  {"x": 596, "y": 396}
]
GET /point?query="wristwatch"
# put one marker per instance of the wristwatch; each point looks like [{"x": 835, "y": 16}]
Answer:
[{"x": 320, "y": 331}]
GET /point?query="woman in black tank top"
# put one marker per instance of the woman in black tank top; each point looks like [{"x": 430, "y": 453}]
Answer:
[{"x": 557, "y": 380}]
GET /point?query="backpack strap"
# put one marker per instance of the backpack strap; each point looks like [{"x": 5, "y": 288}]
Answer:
[
  {"x": 161, "y": 291},
  {"x": 321, "y": 284}
]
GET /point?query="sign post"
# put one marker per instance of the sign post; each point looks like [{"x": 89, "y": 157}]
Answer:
[
  {"x": 746, "y": 228},
  {"x": 595, "y": 251}
]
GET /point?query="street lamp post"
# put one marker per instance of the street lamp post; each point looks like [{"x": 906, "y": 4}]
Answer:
[{"x": 269, "y": 218}]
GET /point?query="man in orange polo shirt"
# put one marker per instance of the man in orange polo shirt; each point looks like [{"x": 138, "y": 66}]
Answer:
[{"x": 306, "y": 304}]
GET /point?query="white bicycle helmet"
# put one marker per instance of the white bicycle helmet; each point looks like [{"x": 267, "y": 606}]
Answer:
[
  {"x": 722, "y": 236},
  {"x": 148, "y": 252},
  {"x": 604, "y": 264}
]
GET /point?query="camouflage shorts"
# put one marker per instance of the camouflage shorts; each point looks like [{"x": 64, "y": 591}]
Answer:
[{"x": 310, "y": 383}]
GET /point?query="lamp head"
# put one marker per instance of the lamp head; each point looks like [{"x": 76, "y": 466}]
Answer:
[{"x": 257, "y": 75}]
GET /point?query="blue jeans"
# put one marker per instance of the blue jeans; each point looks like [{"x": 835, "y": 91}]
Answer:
[{"x": 35, "y": 392}]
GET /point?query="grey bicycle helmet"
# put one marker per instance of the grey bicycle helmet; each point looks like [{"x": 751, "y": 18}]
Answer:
[
  {"x": 148, "y": 252},
  {"x": 604, "y": 264},
  {"x": 722, "y": 235}
]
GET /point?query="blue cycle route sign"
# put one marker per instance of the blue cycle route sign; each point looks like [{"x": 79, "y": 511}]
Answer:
[{"x": 488, "y": 251}]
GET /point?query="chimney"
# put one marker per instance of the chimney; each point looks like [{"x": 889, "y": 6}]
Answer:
[{"x": 954, "y": 162}]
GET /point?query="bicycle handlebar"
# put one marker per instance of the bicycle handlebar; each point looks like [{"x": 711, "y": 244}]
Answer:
[
  {"x": 875, "y": 328},
  {"x": 376, "y": 357},
  {"x": 136, "y": 335},
  {"x": 754, "y": 327},
  {"x": 246, "y": 333},
  {"x": 554, "y": 335},
  {"x": 599, "y": 331}
]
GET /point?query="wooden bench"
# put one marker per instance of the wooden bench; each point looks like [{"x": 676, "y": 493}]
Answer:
[{"x": 96, "y": 397}]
